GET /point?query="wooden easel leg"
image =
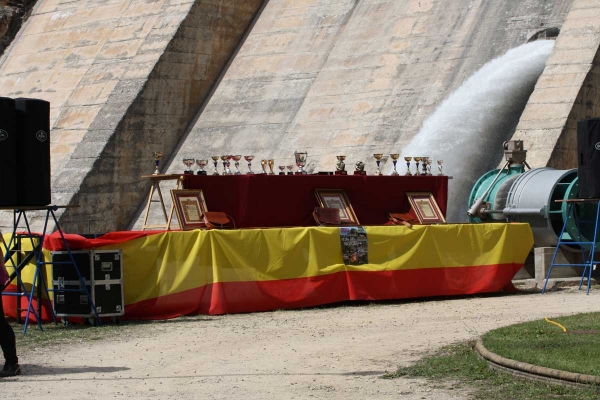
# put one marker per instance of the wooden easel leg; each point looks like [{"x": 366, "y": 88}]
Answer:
[
  {"x": 173, "y": 206},
  {"x": 162, "y": 203},
  {"x": 148, "y": 206}
]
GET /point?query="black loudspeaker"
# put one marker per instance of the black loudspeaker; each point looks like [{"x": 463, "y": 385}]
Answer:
[
  {"x": 33, "y": 152},
  {"x": 8, "y": 153},
  {"x": 588, "y": 147}
]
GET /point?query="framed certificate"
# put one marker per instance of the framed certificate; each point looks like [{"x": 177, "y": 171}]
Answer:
[
  {"x": 336, "y": 198},
  {"x": 426, "y": 208},
  {"x": 190, "y": 207}
]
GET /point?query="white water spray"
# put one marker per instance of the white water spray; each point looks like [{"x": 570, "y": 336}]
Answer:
[{"x": 467, "y": 130}]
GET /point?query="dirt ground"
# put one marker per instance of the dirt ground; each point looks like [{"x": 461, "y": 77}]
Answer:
[{"x": 327, "y": 353}]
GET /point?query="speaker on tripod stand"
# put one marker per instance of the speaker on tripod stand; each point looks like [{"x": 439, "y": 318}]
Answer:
[
  {"x": 33, "y": 152},
  {"x": 588, "y": 149},
  {"x": 8, "y": 153}
]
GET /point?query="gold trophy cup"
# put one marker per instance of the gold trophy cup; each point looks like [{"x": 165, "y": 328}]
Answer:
[
  {"x": 157, "y": 157},
  {"x": 271, "y": 164},
  {"x": 216, "y": 164},
  {"x": 408, "y": 160},
  {"x": 378, "y": 157},
  {"x": 417, "y": 161},
  {"x": 394, "y": 158}
]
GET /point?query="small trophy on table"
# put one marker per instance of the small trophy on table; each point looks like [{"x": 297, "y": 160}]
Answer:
[
  {"x": 188, "y": 162},
  {"x": 290, "y": 169},
  {"x": 417, "y": 161},
  {"x": 378, "y": 157},
  {"x": 359, "y": 168},
  {"x": 440, "y": 162},
  {"x": 157, "y": 157},
  {"x": 408, "y": 160},
  {"x": 301, "y": 161},
  {"x": 394, "y": 158},
  {"x": 249, "y": 160},
  {"x": 271, "y": 164},
  {"x": 429, "y": 162},
  {"x": 424, "y": 162},
  {"x": 263, "y": 164},
  {"x": 282, "y": 170},
  {"x": 224, "y": 160},
  {"x": 237, "y": 159},
  {"x": 340, "y": 167},
  {"x": 201, "y": 165},
  {"x": 216, "y": 163}
]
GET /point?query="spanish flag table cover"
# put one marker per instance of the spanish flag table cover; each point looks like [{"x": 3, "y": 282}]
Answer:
[{"x": 175, "y": 273}]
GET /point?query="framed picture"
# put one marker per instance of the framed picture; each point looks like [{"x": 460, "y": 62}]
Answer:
[
  {"x": 190, "y": 207},
  {"x": 336, "y": 198},
  {"x": 426, "y": 208}
]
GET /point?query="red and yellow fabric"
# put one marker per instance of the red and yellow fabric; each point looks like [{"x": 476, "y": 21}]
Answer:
[{"x": 216, "y": 272}]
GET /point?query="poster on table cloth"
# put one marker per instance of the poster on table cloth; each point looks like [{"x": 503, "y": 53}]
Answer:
[{"x": 354, "y": 245}]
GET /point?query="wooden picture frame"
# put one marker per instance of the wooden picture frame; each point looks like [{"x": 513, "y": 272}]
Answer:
[
  {"x": 190, "y": 207},
  {"x": 426, "y": 208},
  {"x": 336, "y": 198}
]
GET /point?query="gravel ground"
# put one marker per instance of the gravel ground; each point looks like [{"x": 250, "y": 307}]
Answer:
[{"x": 325, "y": 353}]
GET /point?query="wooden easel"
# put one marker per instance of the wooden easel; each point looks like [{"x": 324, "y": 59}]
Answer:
[{"x": 156, "y": 180}]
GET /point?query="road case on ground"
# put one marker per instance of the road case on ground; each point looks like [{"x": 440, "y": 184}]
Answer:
[{"x": 102, "y": 271}]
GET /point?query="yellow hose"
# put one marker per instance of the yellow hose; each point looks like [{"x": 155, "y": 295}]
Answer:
[{"x": 556, "y": 323}]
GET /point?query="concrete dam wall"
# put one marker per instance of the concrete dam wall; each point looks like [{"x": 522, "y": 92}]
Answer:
[{"x": 203, "y": 78}]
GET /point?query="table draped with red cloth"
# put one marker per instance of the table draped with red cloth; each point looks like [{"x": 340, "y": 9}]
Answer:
[
  {"x": 168, "y": 274},
  {"x": 288, "y": 200}
]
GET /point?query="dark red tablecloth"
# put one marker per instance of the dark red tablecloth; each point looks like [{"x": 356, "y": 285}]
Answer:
[{"x": 276, "y": 200}]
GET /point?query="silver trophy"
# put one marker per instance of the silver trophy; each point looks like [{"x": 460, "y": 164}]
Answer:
[
  {"x": 237, "y": 159},
  {"x": 188, "y": 162},
  {"x": 249, "y": 160},
  {"x": 201, "y": 165},
  {"x": 301, "y": 161}
]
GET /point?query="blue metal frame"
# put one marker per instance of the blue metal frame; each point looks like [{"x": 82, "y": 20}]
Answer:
[
  {"x": 37, "y": 251},
  {"x": 589, "y": 261}
]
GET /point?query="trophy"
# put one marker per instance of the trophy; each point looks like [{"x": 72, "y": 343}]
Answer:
[
  {"x": 408, "y": 160},
  {"x": 224, "y": 159},
  {"x": 282, "y": 170},
  {"x": 237, "y": 164},
  {"x": 201, "y": 164},
  {"x": 439, "y": 162},
  {"x": 429, "y": 162},
  {"x": 263, "y": 164},
  {"x": 188, "y": 162},
  {"x": 340, "y": 166},
  {"x": 271, "y": 164},
  {"x": 359, "y": 168},
  {"x": 216, "y": 163},
  {"x": 249, "y": 159},
  {"x": 424, "y": 165},
  {"x": 301, "y": 161},
  {"x": 417, "y": 161},
  {"x": 394, "y": 158},
  {"x": 290, "y": 169},
  {"x": 157, "y": 156},
  {"x": 229, "y": 157},
  {"x": 378, "y": 157}
]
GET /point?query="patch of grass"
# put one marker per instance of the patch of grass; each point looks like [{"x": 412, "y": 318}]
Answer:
[
  {"x": 545, "y": 344},
  {"x": 60, "y": 335},
  {"x": 459, "y": 363}
]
